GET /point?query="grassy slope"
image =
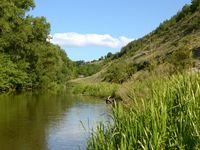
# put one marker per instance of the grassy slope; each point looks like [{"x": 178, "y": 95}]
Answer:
[{"x": 156, "y": 48}]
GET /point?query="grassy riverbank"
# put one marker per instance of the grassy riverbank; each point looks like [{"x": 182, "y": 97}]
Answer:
[
  {"x": 102, "y": 89},
  {"x": 166, "y": 115}
]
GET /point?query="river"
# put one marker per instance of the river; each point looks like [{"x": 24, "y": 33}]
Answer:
[{"x": 45, "y": 121}]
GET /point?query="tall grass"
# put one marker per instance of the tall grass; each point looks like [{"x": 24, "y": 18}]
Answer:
[
  {"x": 102, "y": 89},
  {"x": 165, "y": 114}
]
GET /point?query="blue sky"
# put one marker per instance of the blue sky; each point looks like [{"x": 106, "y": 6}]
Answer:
[{"x": 89, "y": 29}]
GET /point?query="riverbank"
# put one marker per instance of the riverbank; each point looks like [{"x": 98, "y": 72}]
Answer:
[
  {"x": 156, "y": 113},
  {"x": 52, "y": 88},
  {"x": 164, "y": 114},
  {"x": 101, "y": 89}
]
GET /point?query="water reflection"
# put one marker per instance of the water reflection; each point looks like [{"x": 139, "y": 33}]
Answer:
[{"x": 35, "y": 121}]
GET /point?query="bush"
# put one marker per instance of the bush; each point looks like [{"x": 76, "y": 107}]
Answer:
[
  {"x": 181, "y": 59},
  {"x": 119, "y": 72},
  {"x": 88, "y": 69},
  {"x": 11, "y": 76}
]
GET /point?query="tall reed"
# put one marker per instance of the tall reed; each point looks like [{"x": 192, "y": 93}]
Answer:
[{"x": 167, "y": 116}]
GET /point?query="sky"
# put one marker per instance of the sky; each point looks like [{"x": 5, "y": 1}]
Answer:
[{"x": 89, "y": 29}]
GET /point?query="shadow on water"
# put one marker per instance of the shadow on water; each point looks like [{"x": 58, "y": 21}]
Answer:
[{"x": 40, "y": 121}]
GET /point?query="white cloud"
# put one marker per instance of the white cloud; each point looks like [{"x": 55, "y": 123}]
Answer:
[{"x": 72, "y": 39}]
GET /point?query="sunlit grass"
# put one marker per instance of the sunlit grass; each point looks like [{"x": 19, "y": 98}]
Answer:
[
  {"x": 164, "y": 114},
  {"x": 102, "y": 89}
]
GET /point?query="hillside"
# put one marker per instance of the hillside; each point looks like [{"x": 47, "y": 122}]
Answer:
[{"x": 173, "y": 46}]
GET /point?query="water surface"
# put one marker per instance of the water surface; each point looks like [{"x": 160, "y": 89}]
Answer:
[{"x": 43, "y": 121}]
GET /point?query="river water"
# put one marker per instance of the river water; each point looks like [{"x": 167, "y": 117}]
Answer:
[{"x": 45, "y": 121}]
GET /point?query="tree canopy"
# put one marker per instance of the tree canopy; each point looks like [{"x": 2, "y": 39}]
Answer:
[{"x": 27, "y": 59}]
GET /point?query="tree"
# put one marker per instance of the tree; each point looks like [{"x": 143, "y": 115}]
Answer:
[
  {"x": 109, "y": 55},
  {"x": 27, "y": 59},
  {"x": 195, "y": 5}
]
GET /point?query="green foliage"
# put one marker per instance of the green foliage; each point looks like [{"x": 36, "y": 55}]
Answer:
[
  {"x": 195, "y": 5},
  {"x": 87, "y": 69},
  {"x": 165, "y": 115},
  {"x": 183, "y": 14},
  {"x": 185, "y": 11},
  {"x": 117, "y": 73},
  {"x": 52, "y": 65},
  {"x": 121, "y": 71},
  {"x": 102, "y": 89},
  {"x": 11, "y": 77},
  {"x": 27, "y": 59},
  {"x": 109, "y": 55},
  {"x": 181, "y": 58}
]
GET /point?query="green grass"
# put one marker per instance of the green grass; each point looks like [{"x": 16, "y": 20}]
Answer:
[
  {"x": 102, "y": 89},
  {"x": 164, "y": 114}
]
